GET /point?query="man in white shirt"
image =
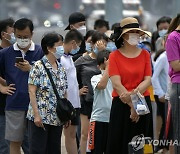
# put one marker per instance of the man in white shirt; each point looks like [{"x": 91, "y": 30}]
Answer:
[{"x": 72, "y": 42}]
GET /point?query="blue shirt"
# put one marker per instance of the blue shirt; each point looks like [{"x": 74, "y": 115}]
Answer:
[
  {"x": 2, "y": 98},
  {"x": 45, "y": 96},
  {"x": 20, "y": 99}
]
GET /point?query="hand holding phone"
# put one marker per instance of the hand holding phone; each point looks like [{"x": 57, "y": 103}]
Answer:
[
  {"x": 22, "y": 64},
  {"x": 19, "y": 59}
]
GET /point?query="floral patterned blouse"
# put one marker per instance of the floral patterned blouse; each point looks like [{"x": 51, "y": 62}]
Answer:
[{"x": 45, "y": 97}]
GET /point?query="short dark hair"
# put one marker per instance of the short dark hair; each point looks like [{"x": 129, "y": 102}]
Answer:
[
  {"x": 49, "y": 40},
  {"x": 98, "y": 36},
  {"x": 73, "y": 34},
  {"x": 89, "y": 33},
  {"x": 75, "y": 18},
  {"x": 4, "y": 25},
  {"x": 101, "y": 56},
  {"x": 163, "y": 20},
  {"x": 115, "y": 25},
  {"x": 22, "y": 23},
  {"x": 101, "y": 23}
]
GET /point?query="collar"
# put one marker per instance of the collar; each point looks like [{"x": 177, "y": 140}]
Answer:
[
  {"x": 32, "y": 47},
  {"x": 47, "y": 63},
  {"x": 67, "y": 55}
]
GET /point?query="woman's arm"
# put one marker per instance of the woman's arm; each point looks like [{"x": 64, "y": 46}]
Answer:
[
  {"x": 121, "y": 90},
  {"x": 175, "y": 65},
  {"x": 143, "y": 86},
  {"x": 32, "y": 95},
  {"x": 33, "y": 101},
  {"x": 117, "y": 85},
  {"x": 124, "y": 96}
]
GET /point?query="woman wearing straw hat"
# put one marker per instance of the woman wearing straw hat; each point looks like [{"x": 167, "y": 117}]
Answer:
[{"x": 130, "y": 72}]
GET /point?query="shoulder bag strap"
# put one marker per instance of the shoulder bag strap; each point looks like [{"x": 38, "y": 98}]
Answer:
[{"x": 51, "y": 80}]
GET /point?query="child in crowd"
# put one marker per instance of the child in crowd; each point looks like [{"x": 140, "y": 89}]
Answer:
[{"x": 99, "y": 121}]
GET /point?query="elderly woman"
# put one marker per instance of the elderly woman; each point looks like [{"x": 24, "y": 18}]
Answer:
[
  {"x": 44, "y": 126},
  {"x": 130, "y": 72}
]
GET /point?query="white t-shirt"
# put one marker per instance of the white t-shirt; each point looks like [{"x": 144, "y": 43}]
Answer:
[
  {"x": 102, "y": 100},
  {"x": 73, "y": 87}
]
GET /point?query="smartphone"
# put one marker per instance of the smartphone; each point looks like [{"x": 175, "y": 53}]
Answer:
[{"x": 19, "y": 59}]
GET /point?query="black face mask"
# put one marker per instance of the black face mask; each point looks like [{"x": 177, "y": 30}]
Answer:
[{"x": 178, "y": 31}]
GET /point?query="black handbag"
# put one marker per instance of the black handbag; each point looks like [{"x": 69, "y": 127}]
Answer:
[{"x": 65, "y": 111}]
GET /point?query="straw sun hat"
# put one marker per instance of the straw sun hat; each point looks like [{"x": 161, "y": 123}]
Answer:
[{"x": 129, "y": 24}]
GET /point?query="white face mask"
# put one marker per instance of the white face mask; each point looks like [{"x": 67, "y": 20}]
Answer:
[
  {"x": 134, "y": 39},
  {"x": 82, "y": 30},
  {"x": 23, "y": 43}
]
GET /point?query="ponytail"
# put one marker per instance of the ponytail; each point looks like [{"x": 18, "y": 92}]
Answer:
[{"x": 115, "y": 37}]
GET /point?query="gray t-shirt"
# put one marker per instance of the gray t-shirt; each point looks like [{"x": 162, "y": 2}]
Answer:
[
  {"x": 102, "y": 100},
  {"x": 86, "y": 68}
]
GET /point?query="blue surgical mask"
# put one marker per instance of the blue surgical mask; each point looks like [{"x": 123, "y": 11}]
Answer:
[
  {"x": 12, "y": 39},
  {"x": 111, "y": 46},
  {"x": 162, "y": 32},
  {"x": 88, "y": 47},
  {"x": 95, "y": 50},
  {"x": 74, "y": 51},
  {"x": 59, "y": 52}
]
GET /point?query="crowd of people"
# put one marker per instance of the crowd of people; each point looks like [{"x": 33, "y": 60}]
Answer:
[{"x": 99, "y": 71}]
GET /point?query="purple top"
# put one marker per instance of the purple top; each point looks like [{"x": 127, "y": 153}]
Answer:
[{"x": 173, "y": 53}]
